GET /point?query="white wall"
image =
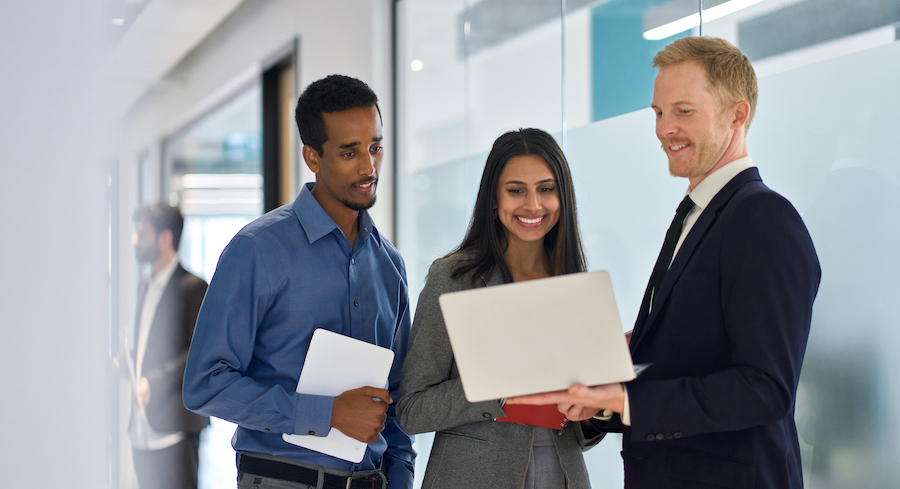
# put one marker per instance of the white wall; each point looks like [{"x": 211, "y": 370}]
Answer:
[{"x": 53, "y": 246}]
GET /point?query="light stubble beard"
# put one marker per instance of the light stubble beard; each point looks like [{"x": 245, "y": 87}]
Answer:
[{"x": 702, "y": 162}]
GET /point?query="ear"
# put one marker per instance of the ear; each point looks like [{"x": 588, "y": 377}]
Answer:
[
  {"x": 311, "y": 156},
  {"x": 164, "y": 239},
  {"x": 741, "y": 112}
]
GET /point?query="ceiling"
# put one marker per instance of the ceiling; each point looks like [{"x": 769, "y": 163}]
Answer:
[{"x": 155, "y": 36}]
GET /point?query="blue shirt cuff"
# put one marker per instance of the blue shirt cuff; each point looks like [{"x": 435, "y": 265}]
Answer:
[{"x": 312, "y": 415}]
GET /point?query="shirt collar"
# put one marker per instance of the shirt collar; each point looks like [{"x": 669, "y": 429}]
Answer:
[
  {"x": 715, "y": 181},
  {"x": 161, "y": 278},
  {"x": 318, "y": 224}
]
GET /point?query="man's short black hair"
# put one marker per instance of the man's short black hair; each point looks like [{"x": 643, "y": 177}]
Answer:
[
  {"x": 334, "y": 93},
  {"x": 161, "y": 217}
]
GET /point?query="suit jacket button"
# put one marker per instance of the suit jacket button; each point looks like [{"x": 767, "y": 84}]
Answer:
[
  {"x": 651, "y": 437},
  {"x": 669, "y": 436},
  {"x": 677, "y": 434},
  {"x": 487, "y": 415},
  {"x": 312, "y": 433},
  {"x": 660, "y": 436}
]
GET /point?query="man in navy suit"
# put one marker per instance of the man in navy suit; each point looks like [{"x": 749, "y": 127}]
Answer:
[{"x": 724, "y": 324}]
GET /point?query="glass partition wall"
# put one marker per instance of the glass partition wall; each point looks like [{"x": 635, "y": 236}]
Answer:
[
  {"x": 214, "y": 173},
  {"x": 469, "y": 70}
]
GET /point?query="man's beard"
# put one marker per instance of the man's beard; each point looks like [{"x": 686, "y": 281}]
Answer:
[
  {"x": 704, "y": 158},
  {"x": 356, "y": 206}
]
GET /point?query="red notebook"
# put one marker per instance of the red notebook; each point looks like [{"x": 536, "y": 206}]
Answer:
[{"x": 547, "y": 416}]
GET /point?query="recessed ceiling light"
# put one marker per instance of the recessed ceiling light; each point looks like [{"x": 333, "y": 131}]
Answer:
[
  {"x": 118, "y": 21},
  {"x": 416, "y": 65}
]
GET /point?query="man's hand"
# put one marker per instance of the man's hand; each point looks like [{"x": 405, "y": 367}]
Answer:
[
  {"x": 360, "y": 413},
  {"x": 579, "y": 402},
  {"x": 142, "y": 392}
]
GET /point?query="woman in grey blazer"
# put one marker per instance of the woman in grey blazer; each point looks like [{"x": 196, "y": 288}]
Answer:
[{"x": 524, "y": 227}]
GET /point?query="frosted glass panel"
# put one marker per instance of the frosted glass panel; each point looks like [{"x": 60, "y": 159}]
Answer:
[{"x": 829, "y": 133}]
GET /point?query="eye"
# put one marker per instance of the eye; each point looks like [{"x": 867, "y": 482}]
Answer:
[
  {"x": 547, "y": 189},
  {"x": 515, "y": 190},
  {"x": 348, "y": 154},
  {"x": 375, "y": 149},
  {"x": 685, "y": 111}
]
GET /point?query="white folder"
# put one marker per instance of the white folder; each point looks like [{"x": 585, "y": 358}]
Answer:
[
  {"x": 336, "y": 363},
  {"x": 537, "y": 336}
]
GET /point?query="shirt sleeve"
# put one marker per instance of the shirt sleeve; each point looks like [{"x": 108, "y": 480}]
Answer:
[
  {"x": 399, "y": 457},
  {"x": 216, "y": 381}
]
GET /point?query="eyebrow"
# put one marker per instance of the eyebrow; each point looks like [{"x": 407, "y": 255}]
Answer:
[
  {"x": 517, "y": 182},
  {"x": 356, "y": 143}
]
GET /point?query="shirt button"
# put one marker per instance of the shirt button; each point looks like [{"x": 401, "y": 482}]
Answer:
[
  {"x": 353, "y": 261},
  {"x": 267, "y": 430},
  {"x": 355, "y": 303}
]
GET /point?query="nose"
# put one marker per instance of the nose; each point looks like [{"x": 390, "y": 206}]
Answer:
[
  {"x": 532, "y": 202},
  {"x": 665, "y": 127},
  {"x": 368, "y": 165}
]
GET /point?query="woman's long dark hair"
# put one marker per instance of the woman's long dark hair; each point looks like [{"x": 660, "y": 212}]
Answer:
[{"x": 485, "y": 242}]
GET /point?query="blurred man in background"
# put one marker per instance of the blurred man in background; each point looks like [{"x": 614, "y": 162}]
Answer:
[{"x": 165, "y": 437}]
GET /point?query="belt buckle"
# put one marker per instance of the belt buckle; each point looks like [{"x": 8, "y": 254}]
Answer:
[{"x": 372, "y": 477}]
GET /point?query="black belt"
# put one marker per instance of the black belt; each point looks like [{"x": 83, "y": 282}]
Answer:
[{"x": 302, "y": 475}]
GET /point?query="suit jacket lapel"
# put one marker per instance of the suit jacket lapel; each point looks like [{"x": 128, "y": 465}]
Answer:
[
  {"x": 160, "y": 331},
  {"x": 707, "y": 218}
]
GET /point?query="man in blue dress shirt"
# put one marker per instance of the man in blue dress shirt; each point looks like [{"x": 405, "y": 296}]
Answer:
[{"x": 318, "y": 262}]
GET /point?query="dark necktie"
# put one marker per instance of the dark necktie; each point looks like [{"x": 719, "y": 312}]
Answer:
[{"x": 668, "y": 248}]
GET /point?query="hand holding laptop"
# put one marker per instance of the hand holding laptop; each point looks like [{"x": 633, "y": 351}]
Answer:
[
  {"x": 579, "y": 402},
  {"x": 360, "y": 413}
]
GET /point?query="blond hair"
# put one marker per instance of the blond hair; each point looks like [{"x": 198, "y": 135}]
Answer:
[{"x": 729, "y": 74}]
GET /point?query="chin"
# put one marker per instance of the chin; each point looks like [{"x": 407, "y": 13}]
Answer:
[{"x": 359, "y": 206}]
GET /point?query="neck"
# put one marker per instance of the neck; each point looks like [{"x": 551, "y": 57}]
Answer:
[
  {"x": 346, "y": 218},
  {"x": 527, "y": 260},
  {"x": 736, "y": 150},
  {"x": 165, "y": 257},
  {"x": 349, "y": 225}
]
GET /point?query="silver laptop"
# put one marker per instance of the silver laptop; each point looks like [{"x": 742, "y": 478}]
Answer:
[{"x": 537, "y": 336}]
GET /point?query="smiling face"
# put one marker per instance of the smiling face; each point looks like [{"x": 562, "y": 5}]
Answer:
[
  {"x": 697, "y": 134},
  {"x": 347, "y": 170},
  {"x": 527, "y": 199}
]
